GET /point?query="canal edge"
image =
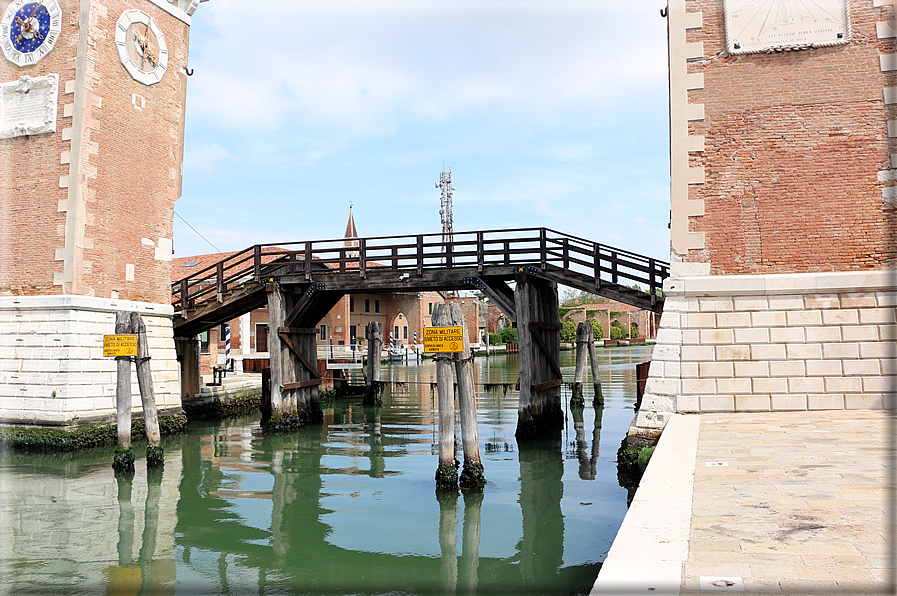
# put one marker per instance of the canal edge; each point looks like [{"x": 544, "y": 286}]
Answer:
[{"x": 651, "y": 546}]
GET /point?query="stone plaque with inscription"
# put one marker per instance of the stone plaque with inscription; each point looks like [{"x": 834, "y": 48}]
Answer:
[{"x": 28, "y": 106}]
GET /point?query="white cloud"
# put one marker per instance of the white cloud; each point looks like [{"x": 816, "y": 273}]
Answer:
[{"x": 368, "y": 64}]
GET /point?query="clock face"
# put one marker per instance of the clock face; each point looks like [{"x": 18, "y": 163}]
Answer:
[
  {"x": 141, "y": 46},
  {"x": 770, "y": 25},
  {"x": 29, "y": 30}
]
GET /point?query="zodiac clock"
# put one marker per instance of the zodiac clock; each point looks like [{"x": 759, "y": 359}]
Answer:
[{"x": 29, "y": 30}]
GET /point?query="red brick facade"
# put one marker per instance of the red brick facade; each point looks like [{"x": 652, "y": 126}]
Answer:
[
  {"x": 792, "y": 144},
  {"x": 88, "y": 209}
]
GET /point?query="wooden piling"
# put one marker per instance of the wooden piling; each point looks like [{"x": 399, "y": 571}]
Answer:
[
  {"x": 447, "y": 472},
  {"x": 278, "y": 354},
  {"x": 598, "y": 399},
  {"x": 539, "y": 413},
  {"x": 472, "y": 475},
  {"x": 123, "y": 384},
  {"x": 154, "y": 456},
  {"x": 583, "y": 335},
  {"x": 123, "y": 460},
  {"x": 373, "y": 333}
]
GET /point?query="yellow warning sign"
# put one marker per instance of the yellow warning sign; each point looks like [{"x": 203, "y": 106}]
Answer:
[
  {"x": 119, "y": 345},
  {"x": 443, "y": 339}
]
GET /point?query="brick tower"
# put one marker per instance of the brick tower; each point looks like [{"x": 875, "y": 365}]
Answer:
[
  {"x": 783, "y": 173},
  {"x": 91, "y": 143}
]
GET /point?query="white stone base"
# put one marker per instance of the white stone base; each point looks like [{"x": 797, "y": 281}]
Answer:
[
  {"x": 749, "y": 343},
  {"x": 52, "y": 368}
]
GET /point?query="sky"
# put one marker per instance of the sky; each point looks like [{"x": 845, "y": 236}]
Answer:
[{"x": 549, "y": 113}]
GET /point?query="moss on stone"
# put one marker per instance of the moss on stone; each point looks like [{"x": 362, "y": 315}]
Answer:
[
  {"x": 219, "y": 409},
  {"x": 52, "y": 440}
]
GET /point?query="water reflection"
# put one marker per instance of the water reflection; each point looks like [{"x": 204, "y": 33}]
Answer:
[
  {"x": 343, "y": 507},
  {"x": 146, "y": 575}
]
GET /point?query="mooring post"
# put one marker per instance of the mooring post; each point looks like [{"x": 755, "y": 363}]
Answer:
[
  {"x": 582, "y": 336},
  {"x": 447, "y": 472},
  {"x": 373, "y": 332},
  {"x": 472, "y": 475},
  {"x": 598, "y": 399},
  {"x": 123, "y": 461},
  {"x": 154, "y": 455}
]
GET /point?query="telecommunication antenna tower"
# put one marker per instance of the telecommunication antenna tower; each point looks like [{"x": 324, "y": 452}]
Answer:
[{"x": 445, "y": 204}]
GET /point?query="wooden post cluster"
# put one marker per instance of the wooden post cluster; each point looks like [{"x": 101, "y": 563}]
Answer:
[
  {"x": 373, "y": 333},
  {"x": 598, "y": 398},
  {"x": 539, "y": 412},
  {"x": 132, "y": 323},
  {"x": 583, "y": 335},
  {"x": 585, "y": 343},
  {"x": 472, "y": 477}
]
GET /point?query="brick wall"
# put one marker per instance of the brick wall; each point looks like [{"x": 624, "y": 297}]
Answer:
[{"x": 793, "y": 143}]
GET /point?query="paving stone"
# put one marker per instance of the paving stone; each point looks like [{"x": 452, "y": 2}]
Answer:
[{"x": 801, "y": 501}]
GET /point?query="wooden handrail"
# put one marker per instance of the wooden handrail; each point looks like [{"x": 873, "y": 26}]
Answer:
[{"x": 480, "y": 249}]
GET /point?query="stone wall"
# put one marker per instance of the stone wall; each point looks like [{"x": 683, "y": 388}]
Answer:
[
  {"x": 52, "y": 368},
  {"x": 774, "y": 342}
]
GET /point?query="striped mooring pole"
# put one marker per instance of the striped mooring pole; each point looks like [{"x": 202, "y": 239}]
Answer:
[{"x": 227, "y": 362}]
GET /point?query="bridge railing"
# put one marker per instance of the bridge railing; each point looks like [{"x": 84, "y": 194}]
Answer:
[{"x": 539, "y": 247}]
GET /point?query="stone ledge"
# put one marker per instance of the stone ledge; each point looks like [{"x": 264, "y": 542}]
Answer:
[
  {"x": 89, "y": 303},
  {"x": 651, "y": 546},
  {"x": 64, "y": 420},
  {"x": 784, "y": 283}
]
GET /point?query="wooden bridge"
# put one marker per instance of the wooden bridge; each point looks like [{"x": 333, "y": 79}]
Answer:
[{"x": 302, "y": 281}]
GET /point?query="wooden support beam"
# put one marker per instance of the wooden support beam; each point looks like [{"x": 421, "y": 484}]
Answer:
[
  {"x": 539, "y": 412},
  {"x": 549, "y": 357},
  {"x": 301, "y": 384},
  {"x": 309, "y": 330},
  {"x": 548, "y": 385},
  {"x": 373, "y": 333},
  {"x": 285, "y": 337}
]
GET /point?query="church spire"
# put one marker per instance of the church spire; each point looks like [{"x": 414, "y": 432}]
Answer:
[{"x": 351, "y": 230}]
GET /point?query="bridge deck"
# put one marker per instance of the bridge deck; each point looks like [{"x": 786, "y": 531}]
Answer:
[{"x": 469, "y": 260}]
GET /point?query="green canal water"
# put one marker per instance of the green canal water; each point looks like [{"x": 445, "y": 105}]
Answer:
[{"x": 347, "y": 507}]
